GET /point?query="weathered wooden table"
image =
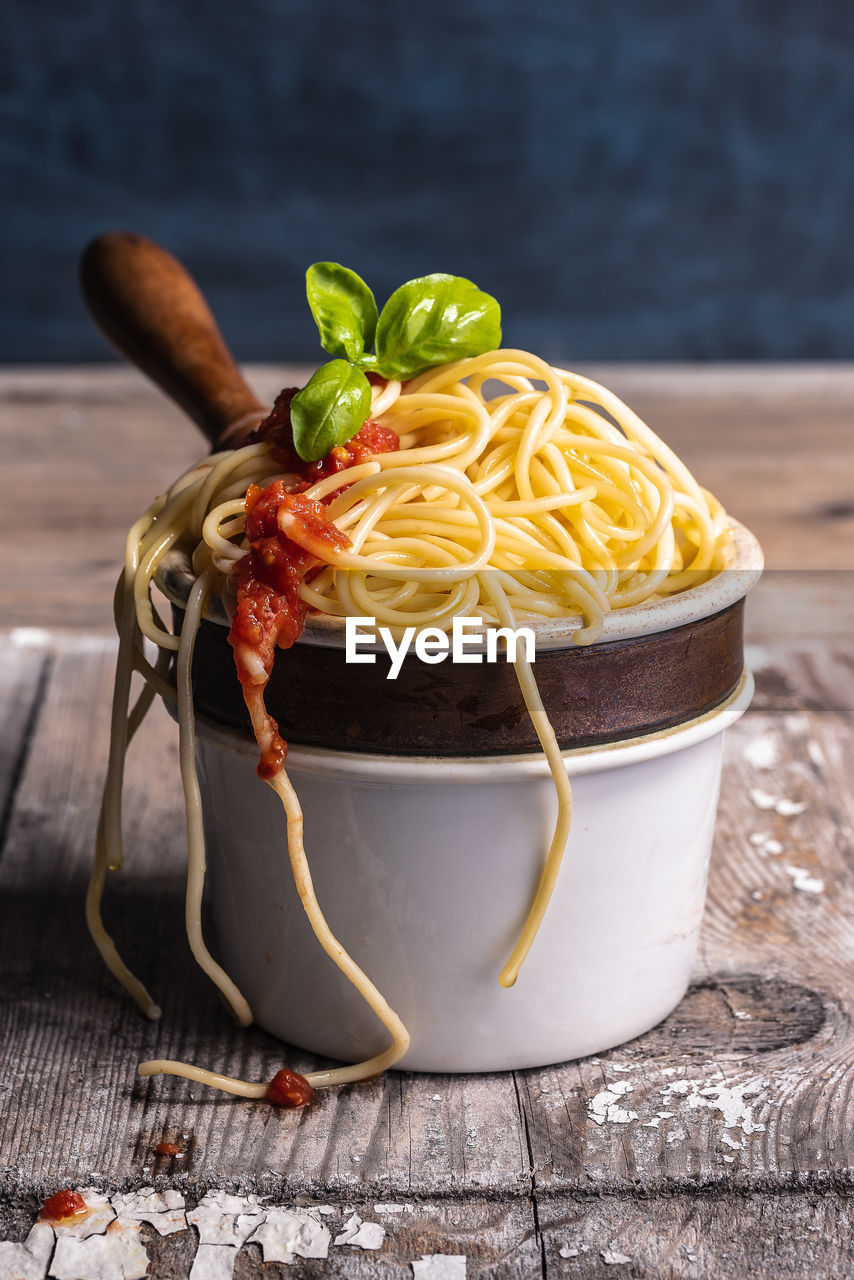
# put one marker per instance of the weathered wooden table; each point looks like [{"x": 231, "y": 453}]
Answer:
[{"x": 720, "y": 1144}]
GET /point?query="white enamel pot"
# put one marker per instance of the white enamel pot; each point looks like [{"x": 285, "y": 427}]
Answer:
[{"x": 425, "y": 867}]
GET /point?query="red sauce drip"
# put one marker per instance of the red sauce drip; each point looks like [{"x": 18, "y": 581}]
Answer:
[
  {"x": 269, "y": 612},
  {"x": 289, "y": 1089},
  {"x": 65, "y": 1204},
  {"x": 168, "y": 1149}
]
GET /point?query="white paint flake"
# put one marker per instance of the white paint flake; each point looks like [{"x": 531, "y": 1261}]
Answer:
[
  {"x": 116, "y": 1255},
  {"x": 565, "y": 1252},
  {"x": 803, "y": 881},
  {"x": 164, "y": 1210},
  {"x": 361, "y": 1235},
  {"x": 606, "y": 1104},
  {"x": 223, "y": 1219},
  {"x": 440, "y": 1266},
  {"x": 292, "y": 1233},
  {"x": 613, "y": 1258},
  {"x": 213, "y": 1262},
  {"x": 731, "y": 1143},
  {"x": 729, "y": 1100},
  {"x": 657, "y": 1119},
  {"x": 780, "y": 804},
  {"x": 27, "y": 1261},
  {"x": 741, "y": 1014},
  {"x": 676, "y": 1086},
  {"x": 764, "y": 844},
  {"x": 761, "y": 752},
  {"x": 224, "y": 1223},
  {"x": 393, "y": 1208},
  {"x": 789, "y": 808}
]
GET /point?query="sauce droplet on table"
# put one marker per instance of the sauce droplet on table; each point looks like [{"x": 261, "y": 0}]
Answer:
[
  {"x": 65, "y": 1204},
  {"x": 289, "y": 1089}
]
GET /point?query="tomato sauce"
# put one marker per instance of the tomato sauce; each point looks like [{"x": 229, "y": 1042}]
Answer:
[
  {"x": 270, "y": 613},
  {"x": 62, "y": 1206},
  {"x": 289, "y": 1089}
]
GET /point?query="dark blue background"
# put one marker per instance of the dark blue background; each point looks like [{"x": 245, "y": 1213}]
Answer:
[{"x": 652, "y": 180}]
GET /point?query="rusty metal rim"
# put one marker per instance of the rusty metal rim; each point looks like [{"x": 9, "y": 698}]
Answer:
[
  {"x": 597, "y": 694},
  {"x": 465, "y": 769}
]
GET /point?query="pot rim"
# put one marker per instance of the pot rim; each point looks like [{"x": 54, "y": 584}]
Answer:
[
  {"x": 372, "y": 768},
  {"x": 174, "y": 578}
]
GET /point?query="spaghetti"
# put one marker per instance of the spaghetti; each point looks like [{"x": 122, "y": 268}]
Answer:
[{"x": 496, "y": 485}]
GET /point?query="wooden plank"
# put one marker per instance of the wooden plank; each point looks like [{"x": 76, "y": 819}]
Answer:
[
  {"x": 801, "y": 605},
  {"x": 724, "y": 1235},
  {"x": 497, "y": 1237},
  {"x": 691, "y": 1236},
  {"x": 773, "y": 443},
  {"x": 23, "y": 674},
  {"x": 754, "y": 1067}
]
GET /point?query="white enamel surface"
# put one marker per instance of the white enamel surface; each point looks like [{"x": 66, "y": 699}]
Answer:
[{"x": 426, "y": 882}]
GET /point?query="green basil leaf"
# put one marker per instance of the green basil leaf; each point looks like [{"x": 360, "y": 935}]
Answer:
[
  {"x": 343, "y": 308},
  {"x": 432, "y": 320},
  {"x": 330, "y": 409}
]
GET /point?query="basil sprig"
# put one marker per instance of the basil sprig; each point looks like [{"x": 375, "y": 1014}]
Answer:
[{"x": 427, "y": 321}]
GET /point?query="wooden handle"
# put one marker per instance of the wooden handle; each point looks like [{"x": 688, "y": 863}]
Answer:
[{"x": 149, "y": 307}]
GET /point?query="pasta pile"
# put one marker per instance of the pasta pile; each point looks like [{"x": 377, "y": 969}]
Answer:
[{"x": 519, "y": 491}]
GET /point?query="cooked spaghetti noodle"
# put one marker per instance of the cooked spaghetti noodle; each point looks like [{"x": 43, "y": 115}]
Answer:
[{"x": 517, "y": 489}]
